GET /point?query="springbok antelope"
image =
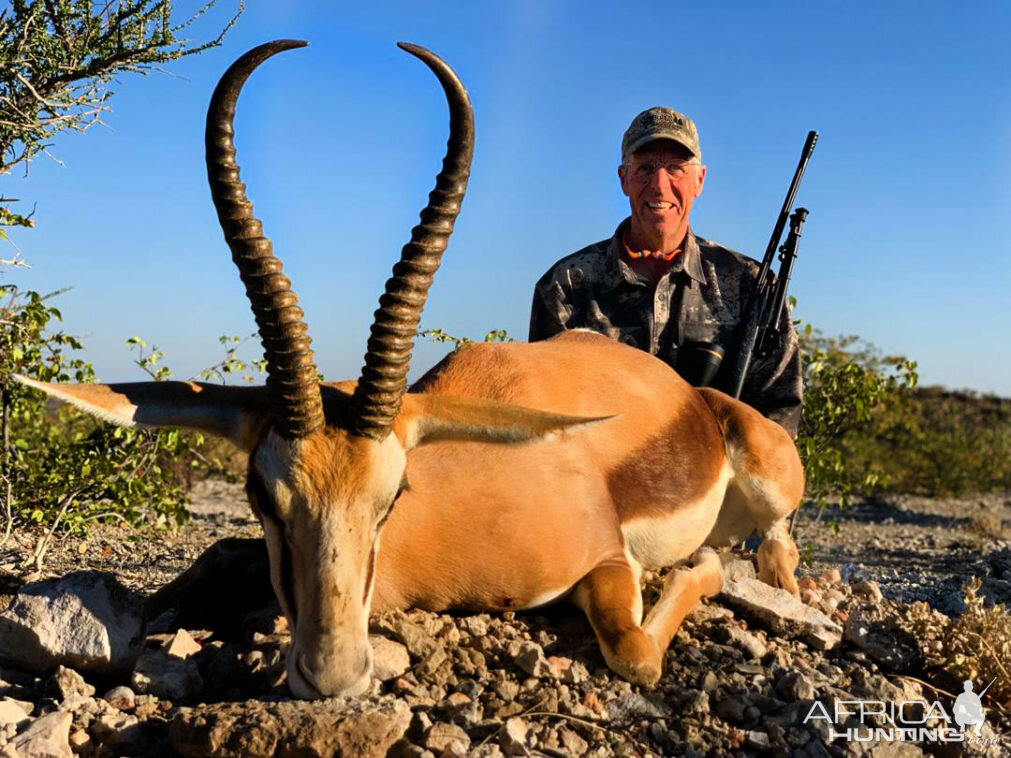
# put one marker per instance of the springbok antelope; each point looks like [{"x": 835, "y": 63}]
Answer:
[{"x": 612, "y": 463}]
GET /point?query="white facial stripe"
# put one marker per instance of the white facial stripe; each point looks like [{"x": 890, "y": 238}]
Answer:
[
  {"x": 333, "y": 533},
  {"x": 275, "y": 549},
  {"x": 273, "y": 462},
  {"x": 389, "y": 462}
]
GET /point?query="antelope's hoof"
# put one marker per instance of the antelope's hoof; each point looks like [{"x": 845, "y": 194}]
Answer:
[
  {"x": 636, "y": 659},
  {"x": 642, "y": 673}
]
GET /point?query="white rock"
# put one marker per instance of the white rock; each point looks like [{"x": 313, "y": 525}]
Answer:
[
  {"x": 871, "y": 631},
  {"x": 86, "y": 620},
  {"x": 736, "y": 568},
  {"x": 389, "y": 659},
  {"x": 741, "y": 639},
  {"x": 782, "y": 612},
  {"x": 513, "y": 737},
  {"x": 47, "y": 737},
  {"x": 113, "y": 727},
  {"x": 529, "y": 656},
  {"x": 11, "y": 712},
  {"x": 181, "y": 645},
  {"x": 440, "y": 736},
  {"x": 65, "y": 683},
  {"x": 168, "y": 677},
  {"x": 121, "y": 698},
  {"x": 868, "y": 589},
  {"x": 81, "y": 705}
]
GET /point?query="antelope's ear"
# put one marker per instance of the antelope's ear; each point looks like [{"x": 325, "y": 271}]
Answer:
[
  {"x": 428, "y": 418},
  {"x": 235, "y": 413}
]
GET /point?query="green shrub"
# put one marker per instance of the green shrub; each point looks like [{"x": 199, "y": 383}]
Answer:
[
  {"x": 974, "y": 646},
  {"x": 60, "y": 467},
  {"x": 63, "y": 469},
  {"x": 847, "y": 383},
  {"x": 438, "y": 335}
]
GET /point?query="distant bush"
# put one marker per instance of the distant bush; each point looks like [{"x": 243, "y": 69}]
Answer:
[
  {"x": 868, "y": 428},
  {"x": 438, "y": 335},
  {"x": 938, "y": 442}
]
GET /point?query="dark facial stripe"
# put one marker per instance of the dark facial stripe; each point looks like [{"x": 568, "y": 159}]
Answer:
[{"x": 257, "y": 493}]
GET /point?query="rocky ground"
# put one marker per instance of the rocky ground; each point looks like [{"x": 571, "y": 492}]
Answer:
[{"x": 741, "y": 675}]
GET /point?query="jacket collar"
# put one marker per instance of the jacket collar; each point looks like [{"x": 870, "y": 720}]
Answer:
[{"x": 617, "y": 271}]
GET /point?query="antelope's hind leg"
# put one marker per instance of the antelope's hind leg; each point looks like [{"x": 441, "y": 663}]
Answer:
[
  {"x": 778, "y": 557},
  {"x": 611, "y": 598}
]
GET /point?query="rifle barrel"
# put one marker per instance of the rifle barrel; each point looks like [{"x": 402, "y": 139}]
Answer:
[
  {"x": 784, "y": 213},
  {"x": 751, "y": 323}
]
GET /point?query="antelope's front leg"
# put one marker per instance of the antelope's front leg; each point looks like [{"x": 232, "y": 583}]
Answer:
[
  {"x": 778, "y": 557},
  {"x": 683, "y": 588},
  {"x": 612, "y": 601}
]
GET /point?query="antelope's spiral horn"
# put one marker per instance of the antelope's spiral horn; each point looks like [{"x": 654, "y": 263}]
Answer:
[
  {"x": 384, "y": 377},
  {"x": 292, "y": 379}
]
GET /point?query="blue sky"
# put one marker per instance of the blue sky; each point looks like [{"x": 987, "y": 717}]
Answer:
[{"x": 907, "y": 243}]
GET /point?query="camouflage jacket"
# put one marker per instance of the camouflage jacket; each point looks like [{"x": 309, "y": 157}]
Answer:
[{"x": 707, "y": 288}]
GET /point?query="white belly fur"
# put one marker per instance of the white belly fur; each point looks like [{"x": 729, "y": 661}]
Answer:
[
  {"x": 659, "y": 541},
  {"x": 547, "y": 598}
]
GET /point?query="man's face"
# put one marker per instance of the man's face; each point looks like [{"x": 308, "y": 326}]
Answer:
[{"x": 661, "y": 180}]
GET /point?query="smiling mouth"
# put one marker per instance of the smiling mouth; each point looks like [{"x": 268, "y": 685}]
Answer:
[{"x": 660, "y": 206}]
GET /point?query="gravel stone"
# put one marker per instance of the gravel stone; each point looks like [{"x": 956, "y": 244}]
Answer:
[
  {"x": 440, "y": 736},
  {"x": 782, "y": 612},
  {"x": 65, "y": 682},
  {"x": 795, "y": 686},
  {"x": 256, "y": 729},
  {"x": 512, "y": 737},
  {"x": 742, "y": 639},
  {"x": 122, "y": 698},
  {"x": 11, "y": 712},
  {"x": 389, "y": 659}
]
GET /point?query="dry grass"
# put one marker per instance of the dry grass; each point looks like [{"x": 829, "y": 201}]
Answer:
[
  {"x": 988, "y": 525},
  {"x": 975, "y": 646}
]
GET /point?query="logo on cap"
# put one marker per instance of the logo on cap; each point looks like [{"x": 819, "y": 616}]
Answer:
[{"x": 660, "y": 123}]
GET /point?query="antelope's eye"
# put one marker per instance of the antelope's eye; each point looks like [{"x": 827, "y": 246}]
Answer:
[{"x": 400, "y": 490}]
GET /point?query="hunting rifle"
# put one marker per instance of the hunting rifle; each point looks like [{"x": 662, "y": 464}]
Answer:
[{"x": 759, "y": 331}]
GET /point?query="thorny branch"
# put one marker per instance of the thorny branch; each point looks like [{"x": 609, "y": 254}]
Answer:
[{"x": 57, "y": 59}]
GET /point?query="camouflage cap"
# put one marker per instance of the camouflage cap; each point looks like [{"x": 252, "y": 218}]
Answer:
[{"x": 660, "y": 123}]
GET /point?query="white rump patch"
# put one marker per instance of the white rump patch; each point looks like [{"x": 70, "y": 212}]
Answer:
[{"x": 752, "y": 505}]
